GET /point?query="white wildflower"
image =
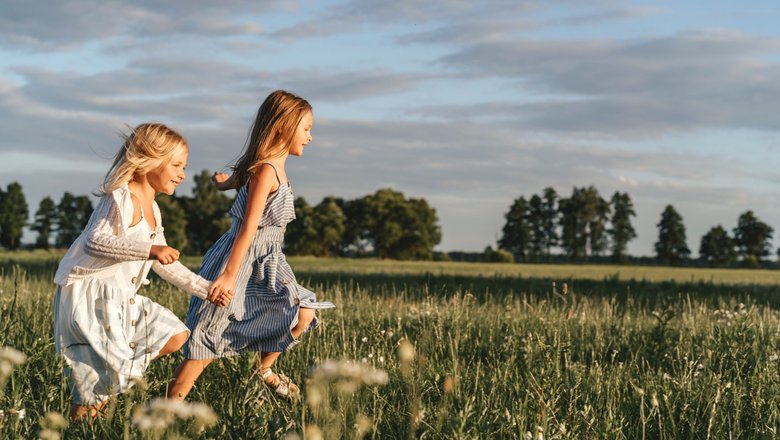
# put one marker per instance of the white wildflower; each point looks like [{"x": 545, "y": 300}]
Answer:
[
  {"x": 161, "y": 413},
  {"x": 10, "y": 358},
  {"x": 405, "y": 351},
  {"x": 332, "y": 371}
]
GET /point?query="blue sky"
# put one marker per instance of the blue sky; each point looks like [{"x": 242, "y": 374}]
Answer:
[{"x": 467, "y": 104}]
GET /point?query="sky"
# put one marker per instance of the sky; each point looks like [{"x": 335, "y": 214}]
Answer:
[{"x": 466, "y": 104}]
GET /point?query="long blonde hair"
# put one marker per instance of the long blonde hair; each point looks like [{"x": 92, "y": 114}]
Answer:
[
  {"x": 272, "y": 132},
  {"x": 147, "y": 147}
]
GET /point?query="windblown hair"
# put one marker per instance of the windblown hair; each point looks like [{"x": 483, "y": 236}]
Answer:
[
  {"x": 146, "y": 148},
  {"x": 271, "y": 133}
]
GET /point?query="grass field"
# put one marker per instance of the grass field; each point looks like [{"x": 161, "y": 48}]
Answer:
[{"x": 470, "y": 351}]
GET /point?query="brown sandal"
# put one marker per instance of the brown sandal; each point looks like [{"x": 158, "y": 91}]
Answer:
[{"x": 285, "y": 387}]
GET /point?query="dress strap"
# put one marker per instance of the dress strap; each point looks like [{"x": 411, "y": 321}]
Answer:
[{"x": 277, "y": 172}]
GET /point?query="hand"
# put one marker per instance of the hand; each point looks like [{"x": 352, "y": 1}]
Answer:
[
  {"x": 221, "y": 290},
  {"x": 163, "y": 254},
  {"x": 224, "y": 299},
  {"x": 221, "y": 180}
]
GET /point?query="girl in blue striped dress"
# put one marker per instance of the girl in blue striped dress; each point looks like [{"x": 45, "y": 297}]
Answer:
[{"x": 270, "y": 310}]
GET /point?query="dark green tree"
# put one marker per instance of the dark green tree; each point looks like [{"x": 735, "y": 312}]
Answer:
[
  {"x": 301, "y": 235},
  {"x": 536, "y": 221},
  {"x": 13, "y": 215},
  {"x": 207, "y": 213},
  {"x": 717, "y": 247},
  {"x": 354, "y": 240},
  {"x": 329, "y": 224},
  {"x": 516, "y": 234},
  {"x": 596, "y": 212},
  {"x": 752, "y": 238},
  {"x": 400, "y": 228},
  {"x": 574, "y": 238},
  {"x": 73, "y": 214},
  {"x": 583, "y": 219},
  {"x": 174, "y": 219},
  {"x": 551, "y": 214},
  {"x": 671, "y": 247},
  {"x": 45, "y": 222},
  {"x": 621, "y": 231}
]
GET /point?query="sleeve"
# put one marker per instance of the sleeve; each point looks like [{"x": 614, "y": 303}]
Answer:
[
  {"x": 182, "y": 277},
  {"x": 102, "y": 239}
]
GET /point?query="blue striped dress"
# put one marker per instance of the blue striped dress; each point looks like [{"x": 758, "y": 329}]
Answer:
[{"x": 267, "y": 296}]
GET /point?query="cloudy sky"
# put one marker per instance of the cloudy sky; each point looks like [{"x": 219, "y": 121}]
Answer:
[{"x": 467, "y": 104}]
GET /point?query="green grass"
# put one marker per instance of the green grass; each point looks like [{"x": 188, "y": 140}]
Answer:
[{"x": 499, "y": 351}]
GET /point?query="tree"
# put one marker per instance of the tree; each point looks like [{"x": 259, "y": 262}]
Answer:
[
  {"x": 622, "y": 231},
  {"x": 596, "y": 212},
  {"x": 752, "y": 237},
  {"x": 400, "y": 228},
  {"x": 354, "y": 240},
  {"x": 583, "y": 219},
  {"x": 13, "y": 215},
  {"x": 536, "y": 221},
  {"x": 329, "y": 224},
  {"x": 207, "y": 211},
  {"x": 550, "y": 215},
  {"x": 717, "y": 247},
  {"x": 301, "y": 235},
  {"x": 175, "y": 221},
  {"x": 45, "y": 222},
  {"x": 671, "y": 247},
  {"x": 516, "y": 236},
  {"x": 73, "y": 214},
  {"x": 574, "y": 239}
]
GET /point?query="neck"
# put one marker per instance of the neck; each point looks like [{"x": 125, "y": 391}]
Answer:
[{"x": 141, "y": 188}]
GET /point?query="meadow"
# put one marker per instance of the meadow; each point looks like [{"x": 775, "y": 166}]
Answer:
[{"x": 451, "y": 350}]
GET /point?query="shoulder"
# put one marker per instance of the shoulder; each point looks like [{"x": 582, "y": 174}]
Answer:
[
  {"x": 264, "y": 177},
  {"x": 122, "y": 200}
]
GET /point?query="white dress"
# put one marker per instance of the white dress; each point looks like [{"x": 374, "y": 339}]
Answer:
[{"x": 108, "y": 333}]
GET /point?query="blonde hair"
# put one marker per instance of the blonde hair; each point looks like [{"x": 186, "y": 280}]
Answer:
[
  {"x": 147, "y": 147},
  {"x": 272, "y": 132}
]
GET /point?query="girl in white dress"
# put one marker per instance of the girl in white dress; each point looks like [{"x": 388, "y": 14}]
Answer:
[{"x": 106, "y": 332}]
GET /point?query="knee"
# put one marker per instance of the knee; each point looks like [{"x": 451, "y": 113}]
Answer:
[
  {"x": 177, "y": 341},
  {"x": 305, "y": 317}
]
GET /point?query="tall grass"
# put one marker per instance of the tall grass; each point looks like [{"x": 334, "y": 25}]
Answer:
[{"x": 474, "y": 356}]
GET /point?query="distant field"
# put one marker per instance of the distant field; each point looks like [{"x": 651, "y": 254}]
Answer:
[{"x": 547, "y": 271}]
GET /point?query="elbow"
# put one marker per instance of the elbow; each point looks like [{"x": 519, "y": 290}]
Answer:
[{"x": 91, "y": 247}]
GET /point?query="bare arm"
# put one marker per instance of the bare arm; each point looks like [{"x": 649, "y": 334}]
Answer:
[{"x": 259, "y": 187}]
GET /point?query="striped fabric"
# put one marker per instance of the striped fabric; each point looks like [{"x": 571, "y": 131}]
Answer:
[{"x": 267, "y": 297}]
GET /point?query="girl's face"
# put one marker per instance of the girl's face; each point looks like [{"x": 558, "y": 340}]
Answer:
[
  {"x": 302, "y": 135},
  {"x": 166, "y": 178}
]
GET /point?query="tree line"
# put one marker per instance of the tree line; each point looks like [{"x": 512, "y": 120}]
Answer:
[
  {"x": 586, "y": 225},
  {"x": 545, "y": 227},
  {"x": 385, "y": 224}
]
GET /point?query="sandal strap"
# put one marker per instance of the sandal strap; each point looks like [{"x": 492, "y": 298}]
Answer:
[{"x": 285, "y": 387}]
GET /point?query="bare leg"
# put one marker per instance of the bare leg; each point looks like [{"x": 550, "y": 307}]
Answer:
[
  {"x": 175, "y": 343},
  {"x": 266, "y": 359},
  {"x": 185, "y": 376}
]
